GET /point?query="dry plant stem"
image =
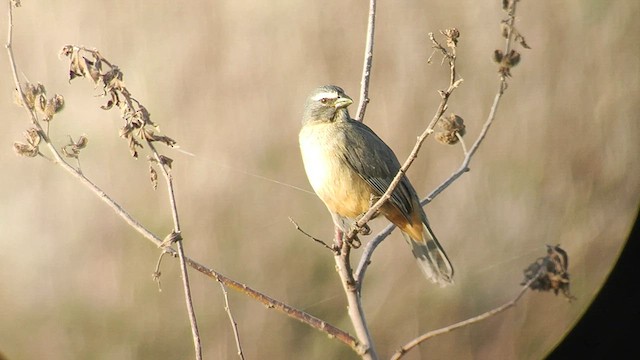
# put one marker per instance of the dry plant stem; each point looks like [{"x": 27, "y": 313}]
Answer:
[
  {"x": 183, "y": 265},
  {"x": 368, "y": 60},
  {"x": 57, "y": 158},
  {"x": 442, "y": 107},
  {"x": 365, "y": 260},
  {"x": 234, "y": 324},
  {"x": 342, "y": 258},
  {"x": 510, "y": 21},
  {"x": 354, "y": 305},
  {"x": 367, "y": 253},
  {"x": 464, "y": 167},
  {"x": 333, "y": 249},
  {"x": 269, "y": 302},
  {"x": 424, "y": 337}
]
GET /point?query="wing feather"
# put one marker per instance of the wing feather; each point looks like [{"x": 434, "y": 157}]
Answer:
[{"x": 376, "y": 164}]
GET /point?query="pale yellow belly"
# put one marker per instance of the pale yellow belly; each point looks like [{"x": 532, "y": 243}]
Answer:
[{"x": 335, "y": 182}]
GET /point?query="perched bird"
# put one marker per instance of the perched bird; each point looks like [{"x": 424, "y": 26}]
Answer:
[{"x": 350, "y": 167}]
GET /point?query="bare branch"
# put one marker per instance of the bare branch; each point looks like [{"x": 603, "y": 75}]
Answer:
[
  {"x": 445, "y": 94},
  {"x": 368, "y": 60},
  {"x": 333, "y": 248},
  {"x": 234, "y": 324},
  {"x": 138, "y": 128},
  {"x": 269, "y": 302},
  {"x": 342, "y": 258},
  {"x": 417, "y": 341},
  {"x": 548, "y": 273},
  {"x": 354, "y": 304},
  {"x": 183, "y": 264},
  {"x": 464, "y": 166},
  {"x": 367, "y": 253},
  {"x": 365, "y": 260}
]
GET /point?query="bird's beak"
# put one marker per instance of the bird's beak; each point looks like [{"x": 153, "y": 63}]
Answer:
[{"x": 342, "y": 102}]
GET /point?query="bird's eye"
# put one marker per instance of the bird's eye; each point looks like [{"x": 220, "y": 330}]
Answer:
[{"x": 324, "y": 100}]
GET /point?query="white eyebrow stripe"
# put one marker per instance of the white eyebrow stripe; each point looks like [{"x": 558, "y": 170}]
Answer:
[{"x": 325, "y": 95}]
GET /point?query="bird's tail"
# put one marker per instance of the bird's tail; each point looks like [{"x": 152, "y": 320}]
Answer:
[{"x": 432, "y": 259}]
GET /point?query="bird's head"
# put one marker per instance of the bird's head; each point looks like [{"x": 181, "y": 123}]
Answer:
[{"x": 326, "y": 104}]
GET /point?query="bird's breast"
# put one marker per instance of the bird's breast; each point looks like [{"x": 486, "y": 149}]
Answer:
[{"x": 341, "y": 189}]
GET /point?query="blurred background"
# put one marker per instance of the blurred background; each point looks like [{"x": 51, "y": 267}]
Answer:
[{"x": 228, "y": 81}]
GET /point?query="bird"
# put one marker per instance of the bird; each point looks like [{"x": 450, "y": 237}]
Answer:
[{"x": 349, "y": 167}]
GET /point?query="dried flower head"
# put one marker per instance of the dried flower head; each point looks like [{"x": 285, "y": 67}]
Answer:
[
  {"x": 25, "y": 149},
  {"x": 549, "y": 273},
  {"x": 52, "y": 107},
  {"x": 32, "y": 95},
  {"x": 452, "y": 36},
  {"x": 138, "y": 127},
  {"x": 506, "y": 62},
  {"x": 72, "y": 149},
  {"x": 453, "y": 127},
  {"x": 497, "y": 56},
  {"x": 153, "y": 176},
  {"x": 33, "y": 137},
  {"x": 30, "y": 149}
]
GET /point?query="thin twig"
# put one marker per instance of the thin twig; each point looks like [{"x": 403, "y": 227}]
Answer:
[
  {"x": 445, "y": 94},
  {"x": 183, "y": 264},
  {"x": 57, "y": 158},
  {"x": 442, "y": 107},
  {"x": 354, "y": 303},
  {"x": 234, "y": 324},
  {"x": 269, "y": 302},
  {"x": 367, "y": 253},
  {"x": 368, "y": 60},
  {"x": 502, "y": 87},
  {"x": 462, "y": 143},
  {"x": 365, "y": 260},
  {"x": 464, "y": 166},
  {"x": 417, "y": 341},
  {"x": 334, "y": 249},
  {"x": 342, "y": 257},
  {"x": 157, "y": 273}
]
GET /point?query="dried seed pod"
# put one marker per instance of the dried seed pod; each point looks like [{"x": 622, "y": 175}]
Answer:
[
  {"x": 453, "y": 126},
  {"x": 497, "y": 56},
  {"x": 504, "y": 29},
  {"x": 446, "y": 137},
  {"x": 512, "y": 59},
  {"x": 165, "y": 160},
  {"x": 82, "y": 142},
  {"x": 452, "y": 36},
  {"x": 32, "y": 94},
  {"x": 33, "y": 137},
  {"x": 70, "y": 151},
  {"x": 25, "y": 149},
  {"x": 549, "y": 273},
  {"x": 153, "y": 176},
  {"x": 52, "y": 106}
]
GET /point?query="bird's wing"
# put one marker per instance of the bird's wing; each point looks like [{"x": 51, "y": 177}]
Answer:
[{"x": 376, "y": 164}]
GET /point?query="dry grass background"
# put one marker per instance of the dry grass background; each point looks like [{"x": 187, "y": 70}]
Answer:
[{"x": 228, "y": 80}]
